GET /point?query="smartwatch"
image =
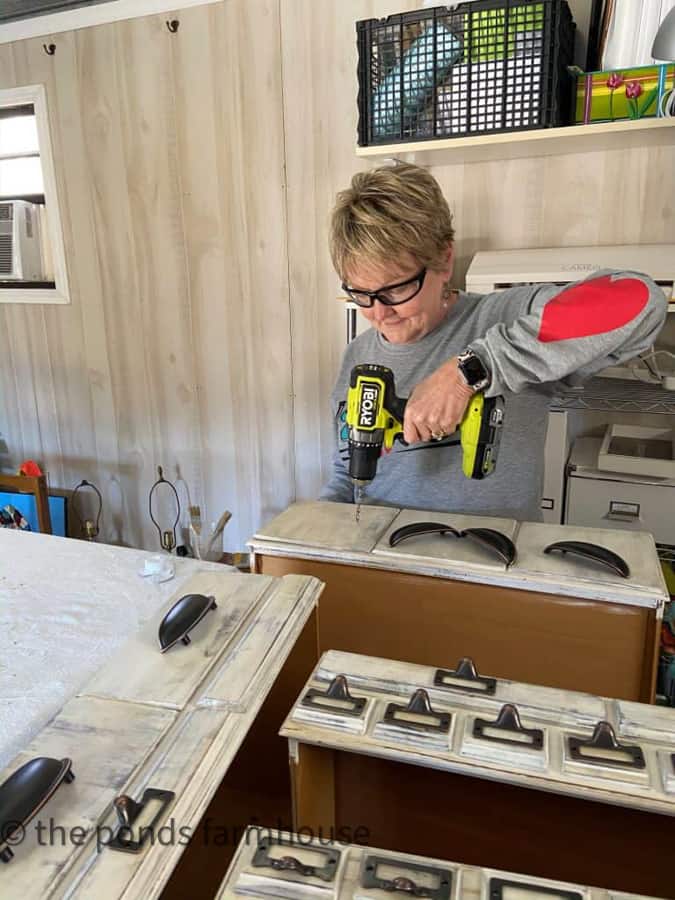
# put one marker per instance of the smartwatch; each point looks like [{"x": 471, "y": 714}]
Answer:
[{"x": 475, "y": 373}]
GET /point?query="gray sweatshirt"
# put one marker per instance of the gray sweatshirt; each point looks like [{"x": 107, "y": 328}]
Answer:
[{"x": 531, "y": 338}]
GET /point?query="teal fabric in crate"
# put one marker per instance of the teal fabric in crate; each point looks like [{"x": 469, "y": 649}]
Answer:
[
  {"x": 25, "y": 504},
  {"x": 408, "y": 88}
]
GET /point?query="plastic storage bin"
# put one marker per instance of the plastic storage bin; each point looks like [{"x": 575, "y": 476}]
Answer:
[{"x": 480, "y": 67}]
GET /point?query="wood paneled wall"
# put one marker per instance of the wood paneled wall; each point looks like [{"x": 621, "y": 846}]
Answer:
[
  {"x": 196, "y": 172},
  {"x": 176, "y": 349}
]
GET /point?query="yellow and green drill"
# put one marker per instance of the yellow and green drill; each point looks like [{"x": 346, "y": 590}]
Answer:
[{"x": 375, "y": 419}]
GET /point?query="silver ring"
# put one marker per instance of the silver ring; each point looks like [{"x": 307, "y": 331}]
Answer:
[{"x": 438, "y": 435}]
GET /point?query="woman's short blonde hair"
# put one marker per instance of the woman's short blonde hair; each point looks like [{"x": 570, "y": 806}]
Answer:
[{"x": 387, "y": 213}]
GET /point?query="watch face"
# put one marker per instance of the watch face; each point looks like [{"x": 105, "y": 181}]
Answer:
[{"x": 473, "y": 370}]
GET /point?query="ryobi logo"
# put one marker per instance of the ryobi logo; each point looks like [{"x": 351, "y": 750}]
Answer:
[{"x": 370, "y": 395}]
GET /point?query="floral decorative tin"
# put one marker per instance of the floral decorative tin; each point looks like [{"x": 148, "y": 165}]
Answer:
[{"x": 632, "y": 93}]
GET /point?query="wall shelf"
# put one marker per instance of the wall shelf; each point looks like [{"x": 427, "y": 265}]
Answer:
[
  {"x": 539, "y": 142},
  {"x": 666, "y": 553},
  {"x": 617, "y": 395}
]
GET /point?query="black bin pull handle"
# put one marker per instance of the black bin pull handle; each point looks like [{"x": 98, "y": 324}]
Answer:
[
  {"x": 465, "y": 671},
  {"x": 604, "y": 738},
  {"x": 404, "y": 884},
  {"x": 418, "y": 528},
  {"x": 338, "y": 691},
  {"x": 418, "y": 705},
  {"x": 502, "y": 887},
  {"x": 262, "y": 858},
  {"x": 507, "y": 721},
  {"x": 292, "y": 864},
  {"x": 593, "y": 552},
  {"x": 128, "y": 810}
]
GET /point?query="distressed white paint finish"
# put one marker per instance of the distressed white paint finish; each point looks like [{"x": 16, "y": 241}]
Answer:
[
  {"x": 66, "y": 607},
  {"x": 237, "y": 679},
  {"x": 139, "y": 672},
  {"x": 541, "y": 704},
  {"x": 467, "y": 882},
  {"x": 121, "y": 746},
  {"x": 308, "y": 531},
  {"x": 568, "y": 716},
  {"x": 195, "y": 756},
  {"x": 173, "y": 767},
  {"x": 106, "y": 741},
  {"x": 634, "y": 719},
  {"x": 438, "y": 548},
  {"x": 332, "y": 526},
  {"x": 637, "y": 548}
]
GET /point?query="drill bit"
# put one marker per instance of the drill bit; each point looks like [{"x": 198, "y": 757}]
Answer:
[{"x": 359, "y": 494}]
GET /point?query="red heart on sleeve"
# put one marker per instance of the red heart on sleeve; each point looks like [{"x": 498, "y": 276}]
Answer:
[{"x": 593, "y": 307}]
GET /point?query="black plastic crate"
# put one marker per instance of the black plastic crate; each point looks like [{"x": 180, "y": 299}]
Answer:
[{"x": 474, "y": 68}]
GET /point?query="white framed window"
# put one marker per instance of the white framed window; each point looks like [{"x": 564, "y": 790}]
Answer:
[{"x": 32, "y": 258}]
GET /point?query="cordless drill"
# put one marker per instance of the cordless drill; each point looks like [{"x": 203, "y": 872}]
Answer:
[{"x": 375, "y": 419}]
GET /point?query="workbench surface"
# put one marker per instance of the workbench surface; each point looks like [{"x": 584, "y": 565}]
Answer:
[
  {"x": 66, "y": 607},
  {"x": 171, "y": 721}
]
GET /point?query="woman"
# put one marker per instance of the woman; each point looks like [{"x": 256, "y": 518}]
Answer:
[{"x": 392, "y": 245}]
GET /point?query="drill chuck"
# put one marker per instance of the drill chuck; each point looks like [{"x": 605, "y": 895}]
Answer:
[{"x": 363, "y": 459}]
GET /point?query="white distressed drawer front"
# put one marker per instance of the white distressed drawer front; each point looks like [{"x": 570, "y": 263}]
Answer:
[
  {"x": 446, "y": 549},
  {"x": 107, "y": 742},
  {"x": 325, "y": 525},
  {"x": 142, "y": 674}
]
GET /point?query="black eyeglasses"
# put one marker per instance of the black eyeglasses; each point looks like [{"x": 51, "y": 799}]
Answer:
[{"x": 391, "y": 294}]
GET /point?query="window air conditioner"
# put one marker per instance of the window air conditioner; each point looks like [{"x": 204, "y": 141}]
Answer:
[{"x": 20, "y": 251}]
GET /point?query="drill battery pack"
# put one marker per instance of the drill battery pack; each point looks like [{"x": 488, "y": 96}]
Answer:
[{"x": 481, "y": 432}]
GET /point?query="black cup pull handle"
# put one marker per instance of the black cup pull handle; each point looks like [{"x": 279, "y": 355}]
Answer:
[
  {"x": 593, "y": 552},
  {"x": 502, "y": 545},
  {"x": 418, "y": 528},
  {"x": 184, "y": 615}
]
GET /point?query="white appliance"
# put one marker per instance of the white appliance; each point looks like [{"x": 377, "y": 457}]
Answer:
[
  {"x": 597, "y": 498},
  {"x": 20, "y": 250},
  {"x": 498, "y": 270}
]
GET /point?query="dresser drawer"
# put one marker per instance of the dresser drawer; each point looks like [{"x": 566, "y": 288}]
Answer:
[{"x": 636, "y": 506}]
